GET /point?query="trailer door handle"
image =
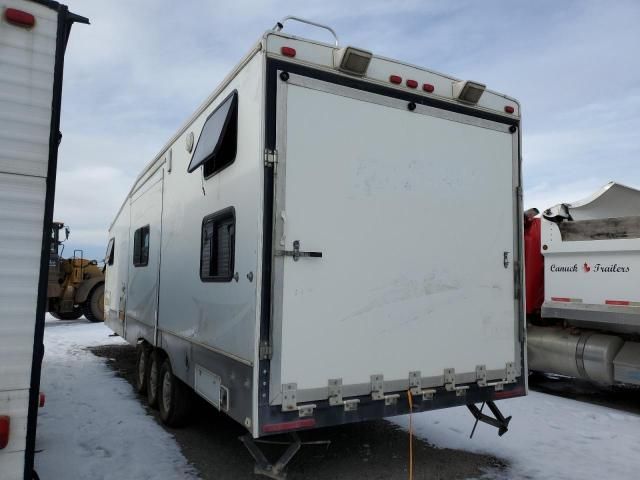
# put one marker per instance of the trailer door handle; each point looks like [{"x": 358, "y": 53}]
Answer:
[{"x": 296, "y": 253}]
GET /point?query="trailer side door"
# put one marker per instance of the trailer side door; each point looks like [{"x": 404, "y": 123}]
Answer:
[{"x": 145, "y": 235}]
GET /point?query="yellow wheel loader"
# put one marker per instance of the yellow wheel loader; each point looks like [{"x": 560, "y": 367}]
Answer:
[{"x": 76, "y": 285}]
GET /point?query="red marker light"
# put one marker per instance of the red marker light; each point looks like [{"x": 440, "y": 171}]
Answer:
[
  {"x": 288, "y": 51},
  {"x": 509, "y": 109},
  {"x": 395, "y": 79},
  {"x": 412, "y": 83},
  {"x": 427, "y": 87},
  {"x": 515, "y": 392},
  {"x": 617, "y": 302},
  {"x": 19, "y": 18},
  {"x": 292, "y": 425},
  {"x": 41, "y": 400},
  {"x": 5, "y": 427}
]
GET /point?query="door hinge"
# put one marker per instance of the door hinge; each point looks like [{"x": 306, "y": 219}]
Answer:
[
  {"x": 450, "y": 383},
  {"x": 415, "y": 386},
  {"x": 265, "y": 351},
  {"x": 289, "y": 401},
  {"x": 270, "y": 158}
]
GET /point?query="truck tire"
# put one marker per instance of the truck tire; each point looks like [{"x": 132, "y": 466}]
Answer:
[
  {"x": 93, "y": 307},
  {"x": 142, "y": 367},
  {"x": 74, "y": 315},
  {"x": 173, "y": 399},
  {"x": 155, "y": 361}
]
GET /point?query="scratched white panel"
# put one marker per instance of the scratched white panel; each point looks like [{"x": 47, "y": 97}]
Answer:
[
  {"x": 27, "y": 60},
  {"x": 21, "y": 216},
  {"x": 12, "y": 465}
]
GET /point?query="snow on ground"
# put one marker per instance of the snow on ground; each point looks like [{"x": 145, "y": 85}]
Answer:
[
  {"x": 549, "y": 438},
  {"x": 93, "y": 426}
]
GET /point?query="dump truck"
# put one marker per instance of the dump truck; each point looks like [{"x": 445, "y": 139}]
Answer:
[
  {"x": 583, "y": 287},
  {"x": 298, "y": 254},
  {"x": 33, "y": 38},
  {"x": 76, "y": 285}
]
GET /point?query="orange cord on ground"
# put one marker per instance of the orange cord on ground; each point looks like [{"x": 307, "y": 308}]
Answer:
[{"x": 410, "y": 398}]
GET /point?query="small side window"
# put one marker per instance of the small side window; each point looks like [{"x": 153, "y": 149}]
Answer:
[
  {"x": 141, "y": 247},
  {"x": 218, "y": 141},
  {"x": 108, "y": 256},
  {"x": 218, "y": 246}
]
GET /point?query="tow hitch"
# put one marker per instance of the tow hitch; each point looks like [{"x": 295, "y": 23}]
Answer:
[{"x": 498, "y": 420}]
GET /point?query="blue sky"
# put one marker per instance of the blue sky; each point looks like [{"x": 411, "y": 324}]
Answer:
[{"x": 141, "y": 68}]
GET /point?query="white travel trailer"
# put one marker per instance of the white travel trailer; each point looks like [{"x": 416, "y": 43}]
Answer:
[
  {"x": 591, "y": 252},
  {"x": 33, "y": 37},
  {"x": 314, "y": 243}
]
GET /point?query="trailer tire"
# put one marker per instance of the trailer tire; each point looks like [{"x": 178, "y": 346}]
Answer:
[
  {"x": 174, "y": 398},
  {"x": 93, "y": 306},
  {"x": 155, "y": 361},
  {"x": 73, "y": 315},
  {"x": 142, "y": 367}
]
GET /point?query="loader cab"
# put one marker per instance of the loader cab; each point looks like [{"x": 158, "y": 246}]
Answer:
[
  {"x": 55, "y": 236},
  {"x": 56, "y": 277},
  {"x": 54, "y": 250}
]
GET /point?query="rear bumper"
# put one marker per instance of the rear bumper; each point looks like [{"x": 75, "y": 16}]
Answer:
[
  {"x": 602, "y": 317},
  {"x": 273, "y": 420}
]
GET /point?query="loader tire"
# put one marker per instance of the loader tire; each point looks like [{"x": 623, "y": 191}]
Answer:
[
  {"x": 74, "y": 315},
  {"x": 173, "y": 399},
  {"x": 93, "y": 307},
  {"x": 155, "y": 362},
  {"x": 143, "y": 356}
]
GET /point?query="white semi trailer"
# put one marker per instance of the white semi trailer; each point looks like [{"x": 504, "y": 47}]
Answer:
[
  {"x": 312, "y": 247},
  {"x": 33, "y": 37},
  {"x": 589, "y": 323}
]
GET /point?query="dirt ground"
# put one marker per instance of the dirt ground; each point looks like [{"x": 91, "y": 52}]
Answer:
[{"x": 370, "y": 450}]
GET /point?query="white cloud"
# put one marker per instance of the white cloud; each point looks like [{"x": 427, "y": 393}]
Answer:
[{"x": 141, "y": 68}]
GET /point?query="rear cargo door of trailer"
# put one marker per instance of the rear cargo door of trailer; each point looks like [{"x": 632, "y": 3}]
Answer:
[{"x": 413, "y": 214}]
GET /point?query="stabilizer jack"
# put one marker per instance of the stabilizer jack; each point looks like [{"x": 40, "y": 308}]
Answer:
[{"x": 498, "y": 420}]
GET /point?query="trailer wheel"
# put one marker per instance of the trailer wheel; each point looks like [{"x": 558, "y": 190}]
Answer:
[
  {"x": 93, "y": 306},
  {"x": 73, "y": 315},
  {"x": 173, "y": 398},
  {"x": 142, "y": 368},
  {"x": 152, "y": 378}
]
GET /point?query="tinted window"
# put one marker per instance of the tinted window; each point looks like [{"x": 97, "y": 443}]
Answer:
[
  {"x": 217, "y": 145},
  {"x": 218, "y": 246},
  {"x": 141, "y": 246}
]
